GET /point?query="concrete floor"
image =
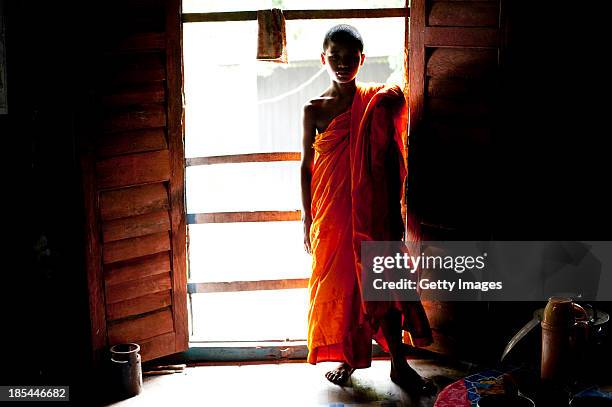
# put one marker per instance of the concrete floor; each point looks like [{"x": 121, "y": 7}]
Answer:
[{"x": 285, "y": 384}]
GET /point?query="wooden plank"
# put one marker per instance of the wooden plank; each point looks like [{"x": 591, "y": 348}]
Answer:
[
  {"x": 138, "y": 305},
  {"x": 139, "y": 94},
  {"x": 135, "y": 118},
  {"x": 458, "y": 88},
  {"x": 463, "y": 14},
  {"x": 345, "y": 13},
  {"x": 141, "y": 267},
  {"x": 405, "y": 78},
  {"x": 244, "y": 158},
  {"x": 141, "y": 41},
  {"x": 138, "y": 288},
  {"x": 219, "y": 16},
  {"x": 297, "y": 14},
  {"x": 452, "y": 37},
  {"x": 406, "y": 91},
  {"x": 133, "y": 201},
  {"x": 416, "y": 100},
  {"x": 93, "y": 253},
  {"x": 232, "y": 217},
  {"x": 136, "y": 247},
  {"x": 135, "y": 226},
  {"x": 417, "y": 64},
  {"x": 158, "y": 346},
  {"x": 176, "y": 185},
  {"x": 462, "y": 63},
  {"x": 133, "y": 169},
  {"x": 134, "y": 68},
  {"x": 137, "y": 329},
  {"x": 138, "y": 141},
  {"x": 227, "y": 286}
]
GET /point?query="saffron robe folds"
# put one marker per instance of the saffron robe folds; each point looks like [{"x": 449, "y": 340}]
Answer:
[{"x": 357, "y": 187}]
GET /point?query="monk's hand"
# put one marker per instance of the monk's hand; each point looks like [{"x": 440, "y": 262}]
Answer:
[{"x": 307, "y": 221}]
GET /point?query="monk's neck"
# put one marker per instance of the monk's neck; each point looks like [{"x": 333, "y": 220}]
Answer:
[{"x": 344, "y": 90}]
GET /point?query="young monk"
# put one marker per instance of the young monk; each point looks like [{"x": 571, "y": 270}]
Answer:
[{"x": 352, "y": 175}]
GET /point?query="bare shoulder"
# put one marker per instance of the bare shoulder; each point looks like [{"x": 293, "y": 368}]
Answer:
[
  {"x": 309, "y": 107},
  {"x": 314, "y": 107}
]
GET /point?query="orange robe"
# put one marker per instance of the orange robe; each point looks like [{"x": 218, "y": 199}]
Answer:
[{"x": 356, "y": 187}]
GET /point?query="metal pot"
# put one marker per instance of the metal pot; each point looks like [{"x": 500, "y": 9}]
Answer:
[{"x": 598, "y": 328}]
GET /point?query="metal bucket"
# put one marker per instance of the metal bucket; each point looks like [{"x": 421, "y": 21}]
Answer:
[{"x": 127, "y": 369}]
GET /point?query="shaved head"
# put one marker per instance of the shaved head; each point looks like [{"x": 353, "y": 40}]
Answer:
[{"x": 344, "y": 34}]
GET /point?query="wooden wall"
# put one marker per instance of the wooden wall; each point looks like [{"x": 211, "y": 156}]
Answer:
[
  {"x": 454, "y": 74},
  {"x": 456, "y": 50},
  {"x": 134, "y": 182}
]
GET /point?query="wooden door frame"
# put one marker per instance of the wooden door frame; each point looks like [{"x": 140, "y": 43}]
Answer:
[{"x": 286, "y": 350}]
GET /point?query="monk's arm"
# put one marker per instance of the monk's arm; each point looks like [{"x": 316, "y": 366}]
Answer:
[{"x": 308, "y": 136}]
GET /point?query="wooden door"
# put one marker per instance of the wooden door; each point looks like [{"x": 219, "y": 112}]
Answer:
[
  {"x": 133, "y": 182},
  {"x": 456, "y": 54}
]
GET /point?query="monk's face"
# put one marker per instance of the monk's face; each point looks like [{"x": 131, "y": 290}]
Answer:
[{"x": 342, "y": 61}]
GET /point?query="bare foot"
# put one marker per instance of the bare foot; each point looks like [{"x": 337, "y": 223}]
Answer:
[
  {"x": 340, "y": 375},
  {"x": 409, "y": 380}
]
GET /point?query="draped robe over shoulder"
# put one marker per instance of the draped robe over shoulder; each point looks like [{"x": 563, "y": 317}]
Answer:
[{"x": 356, "y": 187}]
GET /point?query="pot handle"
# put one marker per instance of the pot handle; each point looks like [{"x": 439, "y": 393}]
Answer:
[
  {"x": 593, "y": 312},
  {"x": 582, "y": 325}
]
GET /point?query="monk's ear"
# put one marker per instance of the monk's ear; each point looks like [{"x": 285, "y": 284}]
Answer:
[
  {"x": 362, "y": 59},
  {"x": 323, "y": 58}
]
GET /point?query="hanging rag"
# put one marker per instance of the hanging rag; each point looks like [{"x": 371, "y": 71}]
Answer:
[{"x": 271, "y": 37}]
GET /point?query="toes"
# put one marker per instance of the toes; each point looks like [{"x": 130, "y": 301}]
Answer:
[
  {"x": 335, "y": 377},
  {"x": 339, "y": 375},
  {"x": 331, "y": 376}
]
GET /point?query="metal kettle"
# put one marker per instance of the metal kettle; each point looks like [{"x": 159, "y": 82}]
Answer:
[
  {"x": 565, "y": 329},
  {"x": 571, "y": 337}
]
